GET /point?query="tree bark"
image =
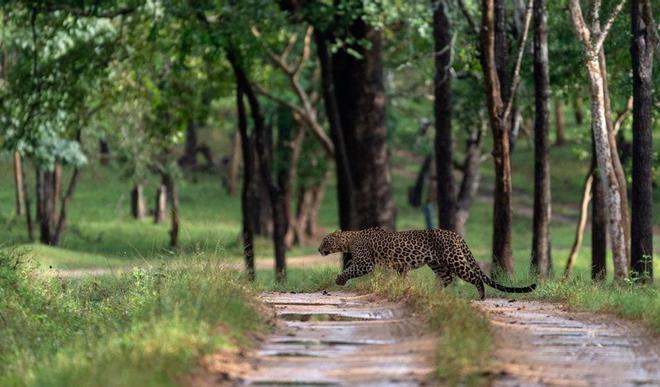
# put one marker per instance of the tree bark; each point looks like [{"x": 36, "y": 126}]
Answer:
[
  {"x": 492, "y": 14},
  {"x": 264, "y": 148},
  {"x": 642, "y": 45},
  {"x": 582, "y": 223},
  {"x": 345, "y": 185},
  {"x": 471, "y": 177},
  {"x": 358, "y": 84},
  {"x": 598, "y": 229},
  {"x": 28, "y": 207},
  {"x": 234, "y": 164},
  {"x": 443, "y": 110},
  {"x": 559, "y": 122},
  {"x": 416, "y": 192},
  {"x": 541, "y": 260},
  {"x": 577, "y": 108},
  {"x": 19, "y": 185},
  {"x": 173, "y": 196},
  {"x": 247, "y": 191},
  {"x": 160, "y": 204},
  {"x": 138, "y": 208},
  {"x": 104, "y": 152},
  {"x": 610, "y": 180}
]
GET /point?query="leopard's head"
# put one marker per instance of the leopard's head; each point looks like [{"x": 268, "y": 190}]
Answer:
[{"x": 336, "y": 242}]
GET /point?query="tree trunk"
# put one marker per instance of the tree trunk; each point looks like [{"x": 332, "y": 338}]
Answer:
[
  {"x": 64, "y": 206},
  {"x": 28, "y": 208},
  {"x": 358, "y": 84},
  {"x": 189, "y": 158},
  {"x": 642, "y": 45},
  {"x": 161, "y": 204},
  {"x": 559, "y": 122},
  {"x": 247, "y": 191},
  {"x": 541, "y": 260},
  {"x": 582, "y": 223},
  {"x": 265, "y": 157},
  {"x": 502, "y": 256},
  {"x": 104, "y": 152},
  {"x": 598, "y": 228},
  {"x": 608, "y": 176},
  {"x": 45, "y": 205},
  {"x": 19, "y": 185},
  {"x": 577, "y": 108},
  {"x": 443, "y": 110},
  {"x": 172, "y": 194},
  {"x": 616, "y": 161},
  {"x": 416, "y": 192},
  {"x": 471, "y": 177},
  {"x": 345, "y": 185},
  {"x": 234, "y": 164},
  {"x": 138, "y": 208}
]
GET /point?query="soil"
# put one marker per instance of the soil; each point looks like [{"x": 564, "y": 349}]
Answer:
[
  {"x": 541, "y": 344},
  {"x": 342, "y": 338}
]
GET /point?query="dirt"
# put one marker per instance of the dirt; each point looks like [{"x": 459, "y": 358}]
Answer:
[
  {"x": 342, "y": 338},
  {"x": 540, "y": 343}
]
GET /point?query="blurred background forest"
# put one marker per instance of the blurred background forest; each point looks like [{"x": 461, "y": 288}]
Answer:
[{"x": 156, "y": 156}]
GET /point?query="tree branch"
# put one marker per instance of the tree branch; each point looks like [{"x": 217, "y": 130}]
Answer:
[
  {"x": 608, "y": 24},
  {"x": 306, "y": 51},
  {"x": 580, "y": 26},
  {"x": 468, "y": 17},
  {"x": 516, "y": 71}
]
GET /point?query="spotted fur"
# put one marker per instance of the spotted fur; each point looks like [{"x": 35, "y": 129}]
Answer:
[{"x": 445, "y": 252}]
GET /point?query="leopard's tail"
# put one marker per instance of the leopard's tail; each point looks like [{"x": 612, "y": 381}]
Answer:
[{"x": 525, "y": 289}]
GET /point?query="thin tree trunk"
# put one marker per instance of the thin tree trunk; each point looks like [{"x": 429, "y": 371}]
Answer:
[
  {"x": 247, "y": 191},
  {"x": 28, "y": 207},
  {"x": 138, "y": 208},
  {"x": 616, "y": 161},
  {"x": 642, "y": 45},
  {"x": 559, "y": 122},
  {"x": 541, "y": 260},
  {"x": 582, "y": 223},
  {"x": 471, "y": 177},
  {"x": 443, "y": 110},
  {"x": 172, "y": 194},
  {"x": 234, "y": 164},
  {"x": 19, "y": 185},
  {"x": 416, "y": 192},
  {"x": 265, "y": 158},
  {"x": 577, "y": 108},
  {"x": 598, "y": 229},
  {"x": 601, "y": 128},
  {"x": 64, "y": 206},
  {"x": 104, "y": 152},
  {"x": 160, "y": 204}
]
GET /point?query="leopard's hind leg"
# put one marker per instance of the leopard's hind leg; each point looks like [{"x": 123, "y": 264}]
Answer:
[
  {"x": 443, "y": 272},
  {"x": 465, "y": 271}
]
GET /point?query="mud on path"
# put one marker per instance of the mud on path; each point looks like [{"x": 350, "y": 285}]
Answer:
[
  {"x": 342, "y": 338},
  {"x": 539, "y": 343}
]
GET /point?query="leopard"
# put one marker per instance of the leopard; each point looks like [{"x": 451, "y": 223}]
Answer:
[{"x": 444, "y": 251}]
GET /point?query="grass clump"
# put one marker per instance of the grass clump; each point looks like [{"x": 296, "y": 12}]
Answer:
[
  {"x": 146, "y": 327},
  {"x": 465, "y": 340}
]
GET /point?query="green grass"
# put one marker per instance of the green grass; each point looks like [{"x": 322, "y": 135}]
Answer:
[{"x": 147, "y": 327}]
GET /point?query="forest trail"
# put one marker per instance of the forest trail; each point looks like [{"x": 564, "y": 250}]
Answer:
[
  {"x": 342, "y": 338},
  {"x": 540, "y": 343}
]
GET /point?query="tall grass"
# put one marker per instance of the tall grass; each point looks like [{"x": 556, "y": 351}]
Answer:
[{"x": 144, "y": 328}]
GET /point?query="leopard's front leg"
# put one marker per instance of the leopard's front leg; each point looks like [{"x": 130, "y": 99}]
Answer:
[{"x": 362, "y": 264}]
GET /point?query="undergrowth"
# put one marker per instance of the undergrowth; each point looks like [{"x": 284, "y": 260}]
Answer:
[{"x": 146, "y": 327}]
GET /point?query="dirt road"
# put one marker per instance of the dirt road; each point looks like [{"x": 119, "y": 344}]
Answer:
[
  {"x": 341, "y": 338},
  {"x": 539, "y": 344}
]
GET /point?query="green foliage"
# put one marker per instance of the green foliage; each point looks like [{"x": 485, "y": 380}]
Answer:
[{"x": 146, "y": 327}]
